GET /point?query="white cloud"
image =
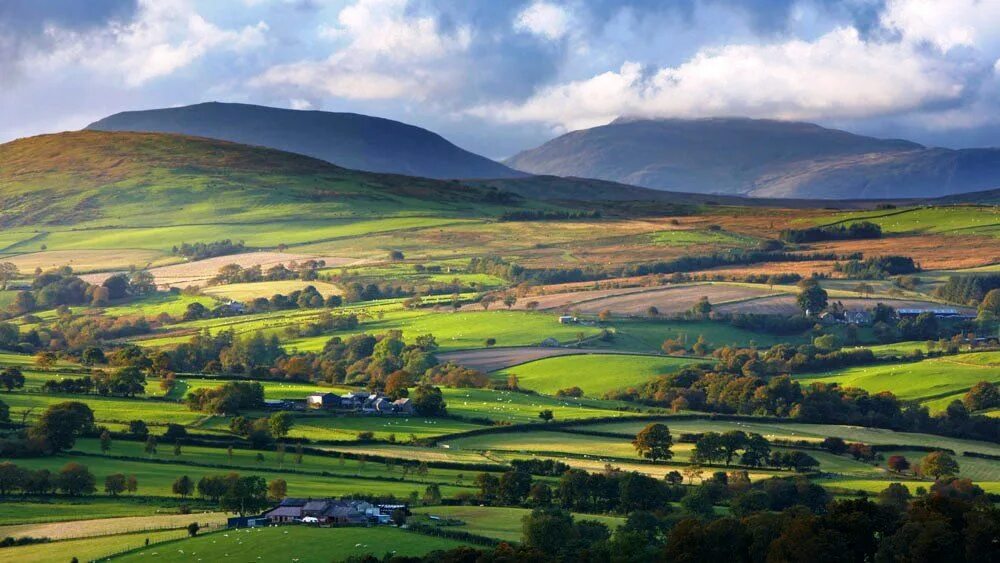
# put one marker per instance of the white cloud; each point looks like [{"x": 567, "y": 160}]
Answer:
[
  {"x": 544, "y": 19},
  {"x": 165, "y": 36},
  {"x": 387, "y": 53},
  {"x": 839, "y": 75},
  {"x": 946, "y": 24},
  {"x": 299, "y": 103}
]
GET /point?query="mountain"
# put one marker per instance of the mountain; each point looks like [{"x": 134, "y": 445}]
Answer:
[
  {"x": 349, "y": 140},
  {"x": 96, "y": 179},
  {"x": 761, "y": 158}
]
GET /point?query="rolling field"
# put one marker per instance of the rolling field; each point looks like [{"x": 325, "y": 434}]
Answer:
[
  {"x": 106, "y": 409},
  {"x": 595, "y": 374},
  {"x": 303, "y": 544},
  {"x": 925, "y": 380},
  {"x": 101, "y": 526},
  {"x": 67, "y": 509},
  {"x": 84, "y": 261},
  {"x": 497, "y": 522},
  {"x": 156, "y": 477},
  {"x": 648, "y": 335},
  {"x": 513, "y": 407},
  {"x": 88, "y": 549},
  {"x": 959, "y": 219},
  {"x": 803, "y": 431},
  {"x": 250, "y": 291}
]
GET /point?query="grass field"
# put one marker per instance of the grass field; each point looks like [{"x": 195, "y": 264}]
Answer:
[
  {"x": 106, "y": 526},
  {"x": 925, "y": 380},
  {"x": 803, "y": 431},
  {"x": 250, "y": 291},
  {"x": 63, "y": 509},
  {"x": 156, "y": 478},
  {"x": 89, "y": 549},
  {"x": 647, "y": 336},
  {"x": 294, "y": 543},
  {"x": 496, "y": 522},
  {"x": 595, "y": 373},
  {"x": 958, "y": 219}
]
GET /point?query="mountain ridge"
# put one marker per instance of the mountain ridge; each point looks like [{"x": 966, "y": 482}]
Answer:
[
  {"x": 761, "y": 158},
  {"x": 349, "y": 140}
]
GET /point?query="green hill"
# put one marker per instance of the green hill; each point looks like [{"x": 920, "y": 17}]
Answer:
[{"x": 91, "y": 179}]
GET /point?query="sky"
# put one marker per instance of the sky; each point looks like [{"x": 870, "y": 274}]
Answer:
[{"x": 500, "y": 76}]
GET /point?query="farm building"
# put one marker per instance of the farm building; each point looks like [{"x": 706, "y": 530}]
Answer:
[
  {"x": 940, "y": 313},
  {"x": 326, "y": 511},
  {"x": 567, "y": 319},
  {"x": 323, "y": 401}
]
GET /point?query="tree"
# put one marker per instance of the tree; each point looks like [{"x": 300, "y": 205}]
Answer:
[
  {"x": 983, "y": 395},
  {"x": 864, "y": 289},
  {"x": 429, "y": 401},
  {"x": 546, "y": 415},
  {"x": 131, "y": 484},
  {"x": 398, "y": 516},
  {"x": 674, "y": 477},
  {"x": 547, "y": 530},
  {"x": 105, "y": 442},
  {"x": 487, "y": 300},
  {"x": 432, "y": 494},
  {"x": 11, "y": 378},
  {"x": 280, "y": 423},
  {"x": 490, "y": 342},
  {"x": 989, "y": 307},
  {"x": 653, "y": 442},
  {"x": 62, "y": 423},
  {"x": 150, "y": 447},
  {"x": 183, "y": 486},
  {"x": 115, "y": 484},
  {"x": 75, "y": 479},
  {"x": 509, "y": 300},
  {"x": 192, "y": 529},
  {"x": 812, "y": 299},
  {"x": 24, "y": 302},
  {"x": 702, "y": 308},
  {"x": 138, "y": 429},
  {"x": 514, "y": 487},
  {"x": 896, "y": 495},
  {"x": 245, "y": 495},
  {"x": 8, "y": 271},
  {"x": 277, "y": 489},
  {"x": 11, "y": 477},
  {"x": 177, "y": 448},
  {"x": 938, "y": 464},
  {"x": 897, "y": 463}
]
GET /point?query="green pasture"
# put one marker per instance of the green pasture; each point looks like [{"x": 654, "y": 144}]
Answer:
[
  {"x": 462, "y": 330},
  {"x": 514, "y": 407},
  {"x": 596, "y": 374},
  {"x": 106, "y": 409},
  {"x": 157, "y": 474},
  {"x": 925, "y": 380},
  {"x": 63, "y": 509},
  {"x": 690, "y": 237},
  {"x": 304, "y": 544},
  {"x": 648, "y": 335},
  {"x": 978, "y": 220},
  {"x": 246, "y": 461},
  {"x": 87, "y": 549},
  {"x": 496, "y": 522},
  {"x": 804, "y": 431}
]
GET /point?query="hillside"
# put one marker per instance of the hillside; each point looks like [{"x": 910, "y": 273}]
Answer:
[
  {"x": 94, "y": 178},
  {"x": 761, "y": 158},
  {"x": 359, "y": 142}
]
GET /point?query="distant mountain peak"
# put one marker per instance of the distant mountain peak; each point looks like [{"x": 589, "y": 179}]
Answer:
[
  {"x": 761, "y": 158},
  {"x": 350, "y": 140}
]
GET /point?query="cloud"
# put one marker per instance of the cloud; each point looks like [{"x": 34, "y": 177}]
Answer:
[
  {"x": 946, "y": 25},
  {"x": 387, "y": 52},
  {"x": 164, "y": 36},
  {"x": 544, "y": 19}
]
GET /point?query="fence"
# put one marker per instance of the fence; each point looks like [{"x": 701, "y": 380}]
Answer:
[{"x": 140, "y": 542}]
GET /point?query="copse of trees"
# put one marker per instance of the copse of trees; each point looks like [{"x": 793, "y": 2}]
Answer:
[
  {"x": 878, "y": 267},
  {"x": 854, "y": 231},
  {"x": 228, "y": 399},
  {"x": 234, "y": 273},
  {"x": 202, "y": 250},
  {"x": 968, "y": 290}
]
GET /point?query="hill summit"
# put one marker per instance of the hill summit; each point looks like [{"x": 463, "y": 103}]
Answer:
[
  {"x": 761, "y": 158},
  {"x": 350, "y": 140}
]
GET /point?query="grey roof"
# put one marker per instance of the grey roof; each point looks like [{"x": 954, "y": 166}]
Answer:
[
  {"x": 285, "y": 511},
  {"x": 316, "y": 505}
]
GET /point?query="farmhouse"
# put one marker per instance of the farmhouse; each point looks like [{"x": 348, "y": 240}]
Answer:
[
  {"x": 323, "y": 401},
  {"x": 327, "y": 512}
]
